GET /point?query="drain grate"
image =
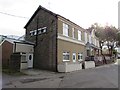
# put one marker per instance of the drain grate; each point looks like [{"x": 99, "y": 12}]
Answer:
[
  {"x": 61, "y": 77},
  {"x": 32, "y": 80}
]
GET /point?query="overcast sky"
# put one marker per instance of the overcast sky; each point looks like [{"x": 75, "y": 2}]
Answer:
[{"x": 82, "y": 12}]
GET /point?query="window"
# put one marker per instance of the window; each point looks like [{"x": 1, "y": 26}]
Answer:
[
  {"x": 73, "y": 32},
  {"x": 34, "y": 32},
  {"x": 65, "y": 29},
  {"x": 90, "y": 39},
  {"x": 40, "y": 31},
  {"x": 23, "y": 58},
  {"x": 66, "y": 56},
  {"x": 74, "y": 57},
  {"x": 31, "y": 33},
  {"x": 86, "y": 38},
  {"x": 97, "y": 43},
  {"x": 80, "y": 56},
  {"x": 79, "y": 35}
]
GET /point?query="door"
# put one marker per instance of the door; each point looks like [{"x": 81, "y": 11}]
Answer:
[{"x": 30, "y": 60}]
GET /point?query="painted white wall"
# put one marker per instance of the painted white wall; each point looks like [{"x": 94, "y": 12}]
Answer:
[
  {"x": 23, "y": 66},
  {"x": 65, "y": 67},
  {"x": 24, "y": 48},
  {"x": 28, "y": 49}
]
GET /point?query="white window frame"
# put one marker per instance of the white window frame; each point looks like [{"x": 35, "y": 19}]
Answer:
[
  {"x": 79, "y": 35},
  {"x": 23, "y": 57},
  {"x": 80, "y": 55},
  {"x": 65, "y": 29},
  {"x": 31, "y": 33},
  {"x": 66, "y": 53},
  {"x": 97, "y": 43},
  {"x": 74, "y": 55},
  {"x": 35, "y": 32},
  {"x": 73, "y": 33},
  {"x": 86, "y": 39},
  {"x": 90, "y": 41},
  {"x": 40, "y": 31}
]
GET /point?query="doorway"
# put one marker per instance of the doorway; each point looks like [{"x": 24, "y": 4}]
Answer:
[{"x": 30, "y": 60}]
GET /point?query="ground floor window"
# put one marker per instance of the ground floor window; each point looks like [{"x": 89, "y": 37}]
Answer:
[
  {"x": 74, "y": 57},
  {"x": 80, "y": 56},
  {"x": 88, "y": 52},
  {"x": 66, "y": 56}
]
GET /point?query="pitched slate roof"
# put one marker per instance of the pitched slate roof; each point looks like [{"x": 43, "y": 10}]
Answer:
[
  {"x": 12, "y": 41},
  {"x": 40, "y": 7}
]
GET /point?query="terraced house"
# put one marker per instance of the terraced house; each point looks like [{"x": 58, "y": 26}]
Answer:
[{"x": 60, "y": 44}]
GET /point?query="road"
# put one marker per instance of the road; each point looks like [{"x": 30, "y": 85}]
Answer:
[
  {"x": 100, "y": 77},
  {"x": 0, "y": 83}
]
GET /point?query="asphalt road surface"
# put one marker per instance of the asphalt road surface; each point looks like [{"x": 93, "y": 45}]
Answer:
[
  {"x": 100, "y": 77},
  {"x": 0, "y": 81}
]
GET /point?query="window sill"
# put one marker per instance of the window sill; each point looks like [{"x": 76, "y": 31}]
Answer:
[
  {"x": 66, "y": 60},
  {"x": 80, "y": 60},
  {"x": 65, "y": 35}
]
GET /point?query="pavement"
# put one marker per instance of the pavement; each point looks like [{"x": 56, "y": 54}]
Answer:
[
  {"x": 105, "y": 76},
  {"x": 117, "y": 62}
]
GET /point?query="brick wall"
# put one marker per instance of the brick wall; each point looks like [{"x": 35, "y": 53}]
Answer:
[
  {"x": 45, "y": 50},
  {"x": 7, "y": 50}
]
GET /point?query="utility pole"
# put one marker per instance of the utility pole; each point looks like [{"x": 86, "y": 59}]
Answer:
[{"x": 36, "y": 41}]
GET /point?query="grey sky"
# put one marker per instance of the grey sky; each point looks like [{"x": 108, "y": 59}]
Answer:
[{"x": 82, "y": 12}]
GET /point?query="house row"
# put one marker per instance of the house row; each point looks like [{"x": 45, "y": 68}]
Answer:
[{"x": 59, "y": 44}]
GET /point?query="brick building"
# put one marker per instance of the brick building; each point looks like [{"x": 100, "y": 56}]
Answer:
[{"x": 60, "y": 44}]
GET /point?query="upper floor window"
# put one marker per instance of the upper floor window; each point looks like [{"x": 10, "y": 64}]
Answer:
[
  {"x": 86, "y": 38},
  {"x": 73, "y": 32},
  {"x": 90, "y": 41},
  {"x": 97, "y": 43},
  {"x": 65, "y": 29},
  {"x": 33, "y": 33},
  {"x": 79, "y": 35},
  {"x": 39, "y": 31},
  {"x": 42, "y": 30}
]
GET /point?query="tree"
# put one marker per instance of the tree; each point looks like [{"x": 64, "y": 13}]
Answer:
[
  {"x": 111, "y": 37},
  {"x": 118, "y": 38},
  {"x": 106, "y": 34}
]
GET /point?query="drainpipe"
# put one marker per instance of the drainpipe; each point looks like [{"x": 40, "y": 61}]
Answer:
[
  {"x": 15, "y": 47},
  {"x": 56, "y": 43}
]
